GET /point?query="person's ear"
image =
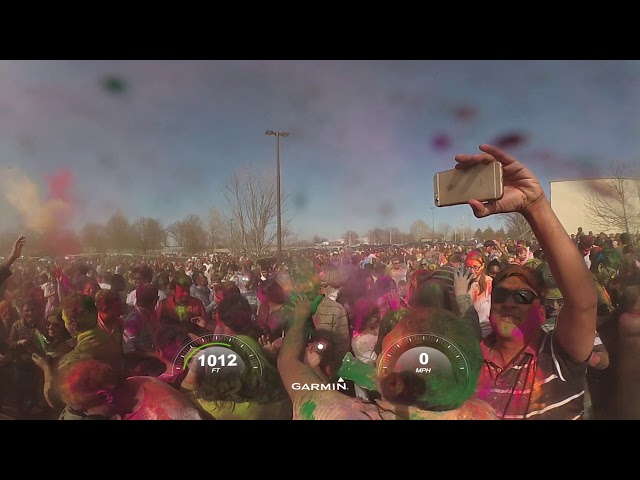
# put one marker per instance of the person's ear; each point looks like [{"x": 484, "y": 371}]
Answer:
[{"x": 106, "y": 396}]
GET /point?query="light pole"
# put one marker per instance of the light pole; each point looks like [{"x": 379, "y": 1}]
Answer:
[
  {"x": 464, "y": 219},
  {"x": 433, "y": 224},
  {"x": 278, "y": 134}
]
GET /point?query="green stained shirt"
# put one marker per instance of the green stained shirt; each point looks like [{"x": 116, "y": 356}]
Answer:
[{"x": 94, "y": 344}]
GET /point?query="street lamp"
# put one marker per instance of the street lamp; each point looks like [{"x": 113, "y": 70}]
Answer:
[
  {"x": 278, "y": 134},
  {"x": 433, "y": 224}
]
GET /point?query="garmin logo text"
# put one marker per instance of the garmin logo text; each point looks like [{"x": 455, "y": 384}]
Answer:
[{"x": 340, "y": 385}]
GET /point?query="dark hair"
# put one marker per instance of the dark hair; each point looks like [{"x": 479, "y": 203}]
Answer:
[
  {"x": 118, "y": 282},
  {"x": 257, "y": 386},
  {"x": 625, "y": 239},
  {"x": 432, "y": 294},
  {"x": 494, "y": 263},
  {"x": 420, "y": 276},
  {"x": 32, "y": 304},
  {"x": 362, "y": 311},
  {"x": 170, "y": 338},
  {"x": 236, "y": 313},
  {"x": 383, "y": 285},
  {"x": 145, "y": 272},
  {"x": 147, "y": 295},
  {"x": 527, "y": 274},
  {"x": 455, "y": 258},
  {"x": 105, "y": 298},
  {"x": 196, "y": 275},
  {"x": 273, "y": 291}
]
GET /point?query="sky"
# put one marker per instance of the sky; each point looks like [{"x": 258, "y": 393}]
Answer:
[{"x": 81, "y": 139}]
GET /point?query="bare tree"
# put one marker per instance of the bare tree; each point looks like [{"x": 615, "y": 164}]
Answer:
[
  {"x": 614, "y": 202},
  {"x": 93, "y": 237},
  {"x": 375, "y": 236},
  {"x": 419, "y": 230},
  {"x": 218, "y": 228},
  {"x": 378, "y": 236},
  {"x": 189, "y": 233},
  {"x": 350, "y": 237},
  {"x": 517, "y": 226},
  {"x": 149, "y": 234},
  {"x": 118, "y": 232},
  {"x": 252, "y": 199},
  {"x": 176, "y": 233},
  {"x": 445, "y": 229}
]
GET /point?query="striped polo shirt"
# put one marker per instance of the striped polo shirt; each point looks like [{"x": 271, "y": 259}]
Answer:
[{"x": 542, "y": 382}]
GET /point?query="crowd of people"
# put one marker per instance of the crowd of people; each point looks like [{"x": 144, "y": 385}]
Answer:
[{"x": 547, "y": 328}]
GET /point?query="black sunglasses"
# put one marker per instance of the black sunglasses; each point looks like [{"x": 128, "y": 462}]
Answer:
[{"x": 522, "y": 297}]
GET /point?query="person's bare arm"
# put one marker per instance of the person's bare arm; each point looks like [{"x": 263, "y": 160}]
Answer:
[
  {"x": 576, "y": 325},
  {"x": 290, "y": 359},
  {"x": 16, "y": 252},
  {"x": 48, "y": 369}
]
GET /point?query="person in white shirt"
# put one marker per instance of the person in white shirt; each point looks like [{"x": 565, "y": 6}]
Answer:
[{"x": 140, "y": 276}]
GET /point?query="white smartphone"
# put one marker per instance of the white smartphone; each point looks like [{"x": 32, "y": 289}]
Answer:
[{"x": 483, "y": 182}]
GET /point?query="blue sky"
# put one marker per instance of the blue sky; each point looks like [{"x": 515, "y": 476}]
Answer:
[{"x": 365, "y": 138}]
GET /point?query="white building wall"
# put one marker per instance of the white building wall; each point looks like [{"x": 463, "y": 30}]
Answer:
[{"x": 569, "y": 197}]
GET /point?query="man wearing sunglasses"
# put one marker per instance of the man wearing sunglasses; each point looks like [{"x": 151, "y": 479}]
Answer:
[{"x": 529, "y": 373}]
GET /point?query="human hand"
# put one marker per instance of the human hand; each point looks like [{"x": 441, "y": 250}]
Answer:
[
  {"x": 312, "y": 357},
  {"x": 42, "y": 362},
  {"x": 461, "y": 281},
  {"x": 22, "y": 342},
  {"x": 271, "y": 348},
  {"x": 17, "y": 247},
  {"x": 393, "y": 298},
  {"x": 199, "y": 321},
  {"x": 522, "y": 189},
  {"x": 301, "y": 306}
]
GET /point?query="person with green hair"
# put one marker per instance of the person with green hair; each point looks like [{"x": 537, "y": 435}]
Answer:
[
  {"x": 251, "y": 394},
  {"x": 405, "y": 394}
]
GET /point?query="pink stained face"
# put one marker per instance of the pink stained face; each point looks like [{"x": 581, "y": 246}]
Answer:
[
  {"x": 182, "y": 295},
  {"x": 475, "y": 267},
  {"x": 510, "y": 319}
]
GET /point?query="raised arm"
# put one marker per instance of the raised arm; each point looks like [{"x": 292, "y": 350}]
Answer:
[
  {"x": 16, "y": 252},
  {"x": 291, "y": 357},
  {"x": 576, "y": 324}
]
